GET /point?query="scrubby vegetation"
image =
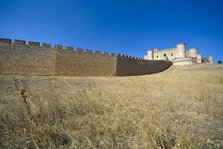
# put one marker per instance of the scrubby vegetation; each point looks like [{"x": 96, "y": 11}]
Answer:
[{"x": 179, "y": 108}]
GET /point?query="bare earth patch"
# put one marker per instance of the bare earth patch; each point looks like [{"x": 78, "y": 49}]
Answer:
[{"x": 179, "y": 108}]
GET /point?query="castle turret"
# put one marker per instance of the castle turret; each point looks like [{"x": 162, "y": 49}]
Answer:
[
  {"x": 199, "y": 58},
  {"x": 150, "y": 54},
  {"x": 193, "y": 52},
  {"x": 181, "y": 50},
  {"x": 211, "y": 59}
]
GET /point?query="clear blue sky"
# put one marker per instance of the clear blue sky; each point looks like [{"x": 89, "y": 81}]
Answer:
[{"x": 121, "y": 26}]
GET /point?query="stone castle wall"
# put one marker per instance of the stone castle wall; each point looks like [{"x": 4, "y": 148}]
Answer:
[
  {"x": 133, "y": 66},
  {"x": 22, "y": 58},
  {"x": 36, "y": 59},
  {"x": 79, "y": 63},
  {"x": 163, "y": 54}
]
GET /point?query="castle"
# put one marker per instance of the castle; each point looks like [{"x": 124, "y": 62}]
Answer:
[
  {"x": 178, "y": 55},
  {"x": 33, "y": 58}
]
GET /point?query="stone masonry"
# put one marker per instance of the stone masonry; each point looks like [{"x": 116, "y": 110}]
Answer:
[
  {"x": 178, "y": 55},
  {"x": 42, "y": 59}
]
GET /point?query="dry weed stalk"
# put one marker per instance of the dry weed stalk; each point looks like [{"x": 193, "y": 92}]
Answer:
[{"x": 31, "y": 125}]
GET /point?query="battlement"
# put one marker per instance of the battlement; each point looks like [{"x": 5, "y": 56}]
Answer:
[
  {"x": 69, "y": 49},
  {"x": 34, "y": 58},
  {"x": 46, "y": 45},
  {"x": 97, "y": 52},
  {"x": 19, "y": 42},
  {"x": 34, "y": 44},
  {"x": 79, "y": 50},
  {"x": 58, "y": 46},
  {"x": 106, "y": 54},
  {"x": 88, "y": 51},
  {"x": 5, "y": 41},
  {"x": 113, "y": 54}
]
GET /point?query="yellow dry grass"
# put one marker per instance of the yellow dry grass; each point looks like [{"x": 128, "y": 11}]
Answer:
[{"x": 179, "y": 108}]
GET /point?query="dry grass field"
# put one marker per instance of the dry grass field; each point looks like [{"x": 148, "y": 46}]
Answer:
[{"x": 179, "y": 108}]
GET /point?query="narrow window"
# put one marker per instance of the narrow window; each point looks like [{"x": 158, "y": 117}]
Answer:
[
  {"x": 157, "y": 57},
  {"x": 164, "y": 54},
  {"x": 171, "y": 54}
]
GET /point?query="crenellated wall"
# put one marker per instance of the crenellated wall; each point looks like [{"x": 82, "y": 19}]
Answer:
[
  {"x": 79, "y": 63},
  {"x": 21, "y": 58},
  {"x": 32, "y": 58},
  {"x": 127, "y": 66}
]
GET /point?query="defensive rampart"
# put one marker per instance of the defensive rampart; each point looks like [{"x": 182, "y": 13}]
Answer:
[
  {"x": 79, "y": 63},
  {"x": 21, "y": 58},
  {"x": 127, "y": 66}
]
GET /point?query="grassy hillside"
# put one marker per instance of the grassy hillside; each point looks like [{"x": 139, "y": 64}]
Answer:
[{"x": 179, "y": 108}]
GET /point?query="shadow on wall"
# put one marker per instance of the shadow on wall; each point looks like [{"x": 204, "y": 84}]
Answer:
[
  {"x": 33, "y": 59},
  {"x": 127, "y": 66}
]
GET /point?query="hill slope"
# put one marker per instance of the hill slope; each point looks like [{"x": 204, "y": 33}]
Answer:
[{"x": 178, "y": 108}]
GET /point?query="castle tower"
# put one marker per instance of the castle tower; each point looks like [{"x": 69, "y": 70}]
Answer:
[
  {"x": 193, "y": 52},
  {"x": 199, "y": 58},
  {"x": 211, "y": 59},
  {"x": 181, "y": 50},
  {"x": 150, "y": 54}
]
